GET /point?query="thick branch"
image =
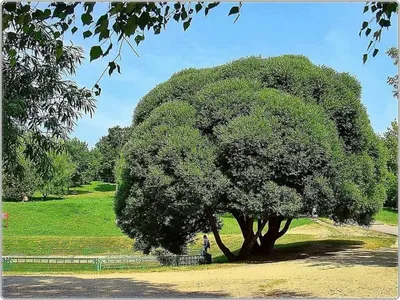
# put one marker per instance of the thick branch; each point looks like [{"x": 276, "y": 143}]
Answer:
[
  {"x": 285, "y": 228},
  {"x": 260, "y": 227},
  {"x": 218, "y": 240},
  {"x": 242, "y": 224}
]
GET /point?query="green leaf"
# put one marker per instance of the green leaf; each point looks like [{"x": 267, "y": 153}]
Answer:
[
  {"x": 64, "y": 27},
  {"x": 10, "y": 6},
  {"x": 234, "y": 10},
  {"x": 365, "y": 57},
  {"x": 102, "y": 20},
  {"x": 95, "y": 52},
  {"x": 368, "y": 31},
  {"x": 186, "y": 24},
  {"x": 13, "y": 62},
  {"x": 87, "y": 34},
  {"x": 130, "y": 7},
  {"x": 12, "y": 52},
  {"x": 119, "y": 69},
  {"x": 177, "y": 5},
  {"x": 366, "y": 7},
  {"x": 364, "y": 25},
  {"x": 74, "y": 29},
  {"x": 143, "y": 20},
  {"x": 20, "y": 19},
  {"x": 46, "y": 13},
  {"x": 59, "y": 50},
  {"x": 56, "y": 34},
  {"x": 212, "y": 5},
  {"x": 138, "y": 39},
  {"x": 89, "y": 6},
  {"x": 384, "y": 23},
  {"x": 176, "y": 17},
  {"x": 104, "y": 34},
  {"x": 131, "y": 25},
  {"x": 375, "y": 52},
  {"x": 198, "y": 7},
  {"x": 112, "y": 67},
  {"x": 97, "y": 91},
  {"x": 86, "y": 18},
  {"x": 369, "y": 45},
  {"x": 108, "y": 49}
]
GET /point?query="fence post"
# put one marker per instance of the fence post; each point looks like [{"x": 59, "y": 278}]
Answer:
[
  {"x": 97, "y": 262},
  {"x": 6, "y": 263}
]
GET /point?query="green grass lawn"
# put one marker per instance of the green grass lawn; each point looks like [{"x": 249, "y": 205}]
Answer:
[
  {"x": 84, "y": 224},
  {"x": 387, "y": 216}
]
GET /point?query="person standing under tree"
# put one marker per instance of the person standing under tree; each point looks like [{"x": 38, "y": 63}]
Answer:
[{"x": 206, "y": 244}]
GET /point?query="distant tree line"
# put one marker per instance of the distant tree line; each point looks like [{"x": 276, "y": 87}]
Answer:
[{"x": 75, "y": 166}]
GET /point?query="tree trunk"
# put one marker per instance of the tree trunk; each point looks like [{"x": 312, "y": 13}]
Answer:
[
  {"x": 231, "y": 257},
  {"x": 273, "y": 233},
  {"x": 251, "y": 241}
]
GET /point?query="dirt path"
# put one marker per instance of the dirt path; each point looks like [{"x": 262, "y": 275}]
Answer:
[
  {"x": 351, "y": 273},
  {"x": 393, "y": 230}
]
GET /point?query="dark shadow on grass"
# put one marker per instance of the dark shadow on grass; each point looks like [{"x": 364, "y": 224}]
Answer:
[
  {"x": 74, "y": 287},
  {"x": 105, "y": 187},
  {"x": 79, "y": 192},
  {"x": 327, "y": 252},
  {"x": 49, "y": 198}
]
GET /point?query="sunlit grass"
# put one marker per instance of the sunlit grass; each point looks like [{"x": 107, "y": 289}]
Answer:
[{"x": 387, "y": 216}]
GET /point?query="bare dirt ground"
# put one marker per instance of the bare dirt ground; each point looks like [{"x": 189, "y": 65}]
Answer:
[{"x": 348, "y": 273}]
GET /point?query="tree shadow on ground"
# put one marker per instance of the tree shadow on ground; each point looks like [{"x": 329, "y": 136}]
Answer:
[
  {"x": 79, "y": 192},
  {"x": 280, "y": 293},
  {"x": 48, "y": 198},
  {"x": 327, "y": 252},
  {"x": 74, "y": 287},
  {"x": 105, "y": 187}
]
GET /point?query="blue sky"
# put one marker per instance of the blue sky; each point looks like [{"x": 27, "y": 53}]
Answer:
[{"x": 327, "y": 33}]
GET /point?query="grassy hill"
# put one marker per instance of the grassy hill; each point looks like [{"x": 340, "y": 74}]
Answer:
[{"x": 84, "y": 224}]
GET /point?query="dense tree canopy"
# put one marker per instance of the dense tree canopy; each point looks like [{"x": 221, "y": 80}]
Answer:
[
  {"x": 108, "y": 150},
  {"x": 262, "y": 139},
  {"x": 83, "y": 159}
]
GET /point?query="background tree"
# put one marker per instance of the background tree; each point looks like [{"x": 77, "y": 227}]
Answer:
[
  {"x": 82, "y": 158},
  {"x": 59, "y": 181},
  {"x": 109, "y": 148},
  {"x": 24, "y": 182},
  {"x": 390, "y": 138},
  {"x": 394, "y": 81},
  {"x": 40, "y": 106},
  {"x": 262, "y": 139}
]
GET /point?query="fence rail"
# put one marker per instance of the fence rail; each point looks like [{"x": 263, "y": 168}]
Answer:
[{"x": 103, "y": 263}]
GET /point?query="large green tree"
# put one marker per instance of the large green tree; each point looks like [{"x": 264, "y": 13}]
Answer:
[
  {"x": 82, "y": 158},
  {"x": 262, "y": 139},
  {"x": 40, "y": 106}
]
